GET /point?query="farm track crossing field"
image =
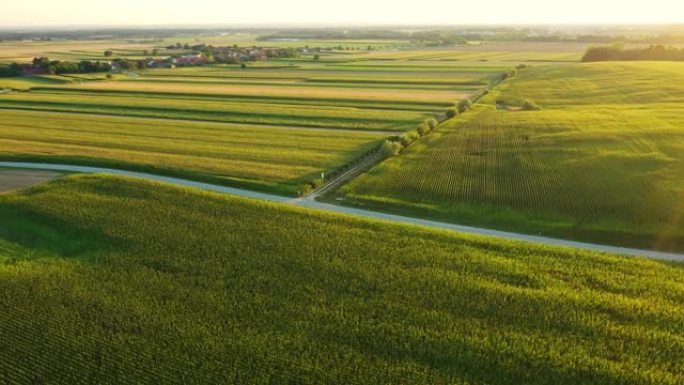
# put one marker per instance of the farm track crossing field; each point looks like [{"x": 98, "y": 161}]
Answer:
[
  {"x": 101, "y": 276},
  {"x": 11, "y": 180},
  {"x": 269, "y": 158},
  {"x": 603, "y": 161}
]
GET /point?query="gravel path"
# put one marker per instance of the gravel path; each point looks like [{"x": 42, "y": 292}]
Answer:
[{"x": 13, "y": 179}]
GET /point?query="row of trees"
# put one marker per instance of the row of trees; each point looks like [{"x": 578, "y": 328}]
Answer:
[
  {"x": 462, "y": 106},
  {"x": 155, "y": 52},
  {"x": 67, "y": 67},
  {"x": 438, "y": 38},
  {"x": 281, "y": 52},
  {"x": 389, "y": 148},
  {"x": 394, "y": 147},
  {"x": 11, "y": 70},
  {"x": 428, "y": 38},
  {"x": 57, "y": 67},
  {"x": 618, "y": 53},
  {"x": 130, "y": 65}
]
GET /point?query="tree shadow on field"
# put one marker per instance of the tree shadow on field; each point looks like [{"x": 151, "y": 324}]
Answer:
[{"x": 49, "y": 236}]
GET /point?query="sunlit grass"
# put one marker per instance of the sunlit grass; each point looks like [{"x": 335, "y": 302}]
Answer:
[
  {"x": 602, "y": 161},
  {"x": 102, "y": 276}
]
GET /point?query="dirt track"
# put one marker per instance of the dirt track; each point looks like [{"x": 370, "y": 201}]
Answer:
[{"x": 16, "y": 179}]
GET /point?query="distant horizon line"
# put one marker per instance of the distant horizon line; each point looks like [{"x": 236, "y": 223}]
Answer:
[{"x": 85, "y": 26}]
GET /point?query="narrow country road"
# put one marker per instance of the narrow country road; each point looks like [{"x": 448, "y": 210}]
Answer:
[
  {"x": 338, "y": 181},
  {"x": 312, "y": 204}
]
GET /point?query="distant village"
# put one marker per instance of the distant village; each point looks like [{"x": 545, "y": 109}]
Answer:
[
  {"x": 226, "y": 55},
  {"x": 182, "y": 61},
  {"x": 201, "y": 54}
]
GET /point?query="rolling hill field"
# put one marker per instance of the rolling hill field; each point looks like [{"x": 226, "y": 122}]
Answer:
[
  {"x": 602, "y": 161},
  {"x": 210, "y": 289}
]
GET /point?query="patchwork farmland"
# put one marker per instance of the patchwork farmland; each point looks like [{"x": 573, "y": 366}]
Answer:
[
  {"x": 270, "y": 127},
  {"x": 293, "y": 270}
]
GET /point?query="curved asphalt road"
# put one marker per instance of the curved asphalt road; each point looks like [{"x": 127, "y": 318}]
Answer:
[{"x": 309, "y": 203}]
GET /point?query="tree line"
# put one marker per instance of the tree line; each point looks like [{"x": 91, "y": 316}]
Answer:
[
  {"x": 11, "y": 70},
  {"x": 618, "y": 53},
  {"x": 58, "y": 67},
  {"x": 423, "y": 37}
]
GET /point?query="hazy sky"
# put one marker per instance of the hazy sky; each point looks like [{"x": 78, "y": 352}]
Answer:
[{"x": 151, "y": 12}]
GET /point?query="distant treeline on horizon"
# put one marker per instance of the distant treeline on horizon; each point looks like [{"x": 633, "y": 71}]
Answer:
[
  {"x": 443, "y": 35},
  {"x": 618, "y": 53}
]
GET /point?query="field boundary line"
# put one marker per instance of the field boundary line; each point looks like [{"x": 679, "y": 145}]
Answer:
[{"x": 217, "y": 122}]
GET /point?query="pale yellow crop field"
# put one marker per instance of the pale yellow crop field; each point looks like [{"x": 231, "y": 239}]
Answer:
[
  {"x": 276, "y": 90},
  {"x": 25, "y": 51}
]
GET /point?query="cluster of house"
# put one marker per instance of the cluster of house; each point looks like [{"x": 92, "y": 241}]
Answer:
[
  {"x": 231, "y": 54},
  {"x": 240, "y": 54},
  {"x": 32, "y": 70},
  {"x": 182, "y": 61}
]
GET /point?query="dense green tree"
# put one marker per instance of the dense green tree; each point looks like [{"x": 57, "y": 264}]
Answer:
[
  {"x": 11, "y": 70},
  {"x": 618, "y": 53}
]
